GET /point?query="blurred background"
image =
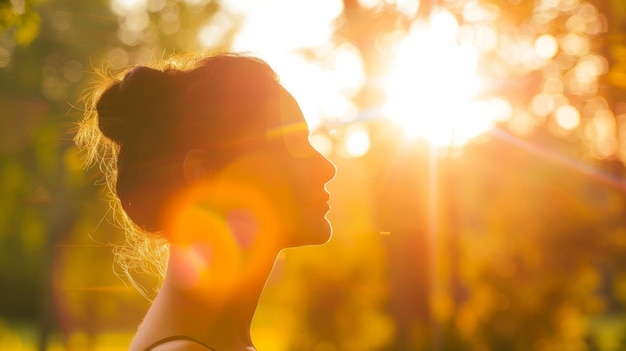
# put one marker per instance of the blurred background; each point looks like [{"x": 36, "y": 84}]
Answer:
[{"x": 480, "y": 197}]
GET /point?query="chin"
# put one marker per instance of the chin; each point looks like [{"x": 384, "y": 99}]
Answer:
[
  {"x": 327, "y": 231},
  {"x": 321, "y": 234},
  {"x": 318, "y": 234}
]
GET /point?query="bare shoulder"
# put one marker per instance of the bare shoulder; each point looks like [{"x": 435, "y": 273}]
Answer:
[{"x": 181, "y": 345}]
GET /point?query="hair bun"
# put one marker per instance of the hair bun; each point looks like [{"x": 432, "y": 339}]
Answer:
[{"x": 128, "y": 105}]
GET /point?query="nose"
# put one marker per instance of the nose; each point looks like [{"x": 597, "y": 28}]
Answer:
[{"x": 325, "y": 170}]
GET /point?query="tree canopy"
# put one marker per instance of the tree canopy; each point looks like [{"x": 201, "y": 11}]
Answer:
[{"x": 479, "y": 201}]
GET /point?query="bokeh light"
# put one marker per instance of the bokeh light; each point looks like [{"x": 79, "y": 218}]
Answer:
[
  {"x": 567, "y": 117},
  {"x": 323, "y": 86},
  {"x": 125, "y": 7},
  {"x": 528, "y": 218},
  {"x": 433, "y": 84},
  {"x": 546, "y": 46},
  {"x": 357, "y": 141}
]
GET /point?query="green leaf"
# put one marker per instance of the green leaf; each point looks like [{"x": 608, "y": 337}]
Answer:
[
  {"x": 28, "y": 28},
  {"x": 7, "y": 17}
]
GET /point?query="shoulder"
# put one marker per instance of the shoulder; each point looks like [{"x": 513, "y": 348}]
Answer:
[{"x": 178, "y": 344}]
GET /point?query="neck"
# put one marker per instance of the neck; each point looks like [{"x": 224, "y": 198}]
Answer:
[{"x": 218, "y": 318}]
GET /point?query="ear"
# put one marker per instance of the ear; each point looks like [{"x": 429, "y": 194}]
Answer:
[{"x": 193, "y": 166}]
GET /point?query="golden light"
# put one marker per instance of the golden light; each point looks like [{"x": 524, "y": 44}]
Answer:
[
  {"x": 226, "y": 215},
  {"x": 475, "y": 11},
  {"x": 601, "y": 130},
  {"x": 323, "y": 86},
  {"x": 576, "y": 23},
  {"x": 322, "y": 143},
  {"x": 553, "y": 86},
  {"x": 590, "y": 67},
  {"x": 499, "y": 109},
  {"x": 485, "y": 37},
  {"x": 322, "y": 92},
  {"x": 546, "y": 46},
  {"x": 575, "y": 44},
  {"x": 212, "y": 33},
  {"x": 433, "y": 84},
  {"x": 567, "y": 116},
  {"x": 302, "y": 24},
  {"x": 357, "y": 141},
  {"x": 125, "y": 7},
  {"x": 542, "y": 104},
  {"x": 194, "y": 2}
]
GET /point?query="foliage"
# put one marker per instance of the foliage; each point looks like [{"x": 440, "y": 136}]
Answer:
[
  {"x": 514, "y": 243},
  {"x": 21, "y": 19}
]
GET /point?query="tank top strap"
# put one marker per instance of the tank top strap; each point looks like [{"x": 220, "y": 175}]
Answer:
[{"x": 174, "y": 338}]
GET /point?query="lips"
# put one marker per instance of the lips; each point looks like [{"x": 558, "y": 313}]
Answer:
[{"x": 321, "y": 201}]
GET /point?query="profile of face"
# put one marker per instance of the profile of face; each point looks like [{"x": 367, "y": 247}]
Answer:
[
  {"x": 306, "y": 173},
  {"x": 267, "y": 196},
  {"x": 216, "y": 160},
  {"x": 272, "y": 192}
]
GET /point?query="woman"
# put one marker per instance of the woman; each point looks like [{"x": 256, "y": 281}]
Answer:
[{"x": 210, "y": 164}]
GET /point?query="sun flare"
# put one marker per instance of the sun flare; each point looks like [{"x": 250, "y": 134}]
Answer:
[{"x": 433, "y": 85}]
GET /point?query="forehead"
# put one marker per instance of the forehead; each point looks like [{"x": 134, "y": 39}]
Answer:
[{"x": 289, "y": 120}]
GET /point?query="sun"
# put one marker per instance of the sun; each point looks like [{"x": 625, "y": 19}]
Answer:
[{"x": 432, "y": 85}]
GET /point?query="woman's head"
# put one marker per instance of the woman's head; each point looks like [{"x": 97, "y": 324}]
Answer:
[
  {"x": 157, "y": 116},
  {"x": 222, "y": 117}
]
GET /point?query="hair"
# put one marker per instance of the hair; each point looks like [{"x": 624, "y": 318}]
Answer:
[{"x": 140, "y": 123}]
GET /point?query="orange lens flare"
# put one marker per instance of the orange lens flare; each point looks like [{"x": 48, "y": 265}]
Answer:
[
  {"x": 244, "y": 225},
  {"x": 204, "y": 253},
  {"x": 220, "y": 231}
]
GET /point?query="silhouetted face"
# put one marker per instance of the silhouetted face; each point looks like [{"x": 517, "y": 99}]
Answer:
[
  {"x": 288, "y": 177},
  {"x": 268, "y": 195},
  {"x": 306, "y": 173},
  {"x": 271, "y": 190}
]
